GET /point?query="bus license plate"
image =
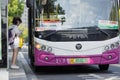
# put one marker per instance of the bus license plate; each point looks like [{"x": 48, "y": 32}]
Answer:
[{"x": 77, "y": 60}]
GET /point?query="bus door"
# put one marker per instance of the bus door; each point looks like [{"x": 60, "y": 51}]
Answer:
[
  {"x": 3, "y": 33},
  {"x": 0, "y": 33}
]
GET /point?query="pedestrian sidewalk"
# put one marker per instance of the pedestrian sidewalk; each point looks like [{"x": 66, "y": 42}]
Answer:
[
  {"x": 16, "y": 74},
  {"x": 4, "y": 74}
]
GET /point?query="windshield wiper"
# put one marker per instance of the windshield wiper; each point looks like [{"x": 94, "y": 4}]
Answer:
[
  {"x": 103, "y": 32},
  {"x": 88, "y": 28},
  {"x": 94, "y": 27},
  {"x": 79, "y": 28},
  {"x": 47, "y": 35}
]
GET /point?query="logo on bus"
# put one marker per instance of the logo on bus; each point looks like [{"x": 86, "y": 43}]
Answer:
[{"x": 78, "y": 46}]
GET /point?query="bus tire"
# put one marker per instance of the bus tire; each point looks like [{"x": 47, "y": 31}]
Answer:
[
  {"x": 104, "y": 67},
  {"x": 31, "y": 57},
  {"x": 36, "y": 68},
  {"x": 30, "y": 51},
  {"x": 31, "y": 62}
]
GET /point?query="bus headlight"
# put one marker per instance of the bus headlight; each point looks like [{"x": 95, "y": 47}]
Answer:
[
  {"x": 117, "y": 44},
  {"x": 38, "y": 46},
  {"x": 43, "y": 47},
  {"x": 49, "y": 49},
  {"x": 112, "y": 46},
  {"x": 106, "y": 48}
]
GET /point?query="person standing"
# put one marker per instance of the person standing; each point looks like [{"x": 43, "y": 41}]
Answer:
[{"x": 14, "y": 40}]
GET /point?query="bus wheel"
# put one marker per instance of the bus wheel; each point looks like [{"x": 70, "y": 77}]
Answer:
[
  {"x": 32, "y": 62},
  {"x": 104, "y": 67},
  {"x": 35, "y": 68}
]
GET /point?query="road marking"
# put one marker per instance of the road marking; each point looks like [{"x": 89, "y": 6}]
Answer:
[
  {"x": 116, "y": 65},
  {"x": 115, "y": 72},
  {"x": 96, "y": 76},
  {"x": 89, "y": 77},
  {"x": 113, "y": 78}
]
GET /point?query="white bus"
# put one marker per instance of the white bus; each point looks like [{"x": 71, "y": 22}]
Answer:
[{"x": 87, "y": 33}]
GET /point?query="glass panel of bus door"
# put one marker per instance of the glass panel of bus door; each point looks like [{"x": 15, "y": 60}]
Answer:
[
  {"x": 0, "y": 34},
  {"x": 3, "y": 33}
]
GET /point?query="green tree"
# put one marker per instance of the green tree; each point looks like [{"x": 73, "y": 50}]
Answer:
[
  {"x": 50, "y": 7},
  {"x": 15, "y": 9},
  {"x": 60, "y": 10}
]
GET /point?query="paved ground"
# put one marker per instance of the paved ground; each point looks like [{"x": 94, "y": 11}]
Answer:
[
  {"x": 26, "y": 72},
  {"x": 17, "y": 74},
  {"x": 3, "y": 74},
  {"x": 72, "y": 73}
]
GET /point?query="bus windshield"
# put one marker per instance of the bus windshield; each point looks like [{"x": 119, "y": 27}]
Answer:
[
  {"x": 79, "y": 20},
  {"x": 65, "y": 14}
]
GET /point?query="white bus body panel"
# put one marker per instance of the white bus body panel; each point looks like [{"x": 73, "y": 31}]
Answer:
[{"x": 69, "y": 48}]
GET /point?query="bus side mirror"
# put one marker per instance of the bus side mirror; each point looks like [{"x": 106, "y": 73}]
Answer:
[{"x": 29, "y": 3}]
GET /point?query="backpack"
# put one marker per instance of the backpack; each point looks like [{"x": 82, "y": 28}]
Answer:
[{"x": 10, "y": 36}]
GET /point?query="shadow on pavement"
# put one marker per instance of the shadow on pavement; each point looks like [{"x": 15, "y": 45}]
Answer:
[{"x": 69, "y": 70}]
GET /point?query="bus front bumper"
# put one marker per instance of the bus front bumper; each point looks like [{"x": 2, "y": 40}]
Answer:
[{"x": 43, "y": 58}]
